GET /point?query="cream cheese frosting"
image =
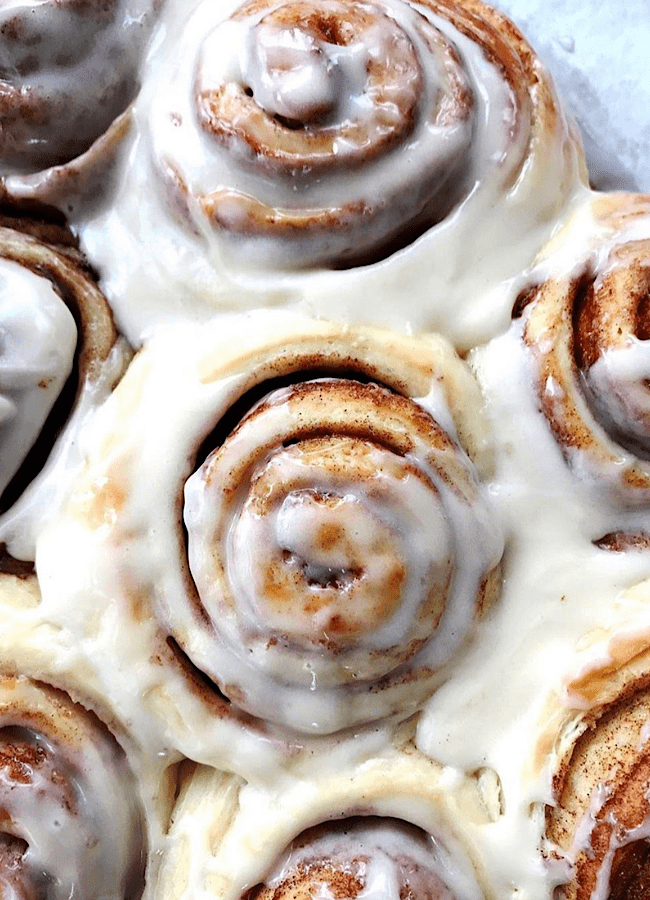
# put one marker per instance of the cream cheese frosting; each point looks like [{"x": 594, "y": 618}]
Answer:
[
  {"x": 317, "y": 681},
  {"x": 71, "y": 823}
]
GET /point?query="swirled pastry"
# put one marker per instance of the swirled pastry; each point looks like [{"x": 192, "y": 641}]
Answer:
[
  {"x": 338, "y": 546},
  {"x": 281, "y": 140},
  {"x": 588, "y": 333},
  {"x": 326, "y": 549},
  {"x": 314, "y": 99},
  {"x": 70, "y": 823},
  {"x": 598, "y": 828},
  {"x": 387, "y": 826},
  {"x": 57, "y": 339},
  {"x": 69, "y": 70}
]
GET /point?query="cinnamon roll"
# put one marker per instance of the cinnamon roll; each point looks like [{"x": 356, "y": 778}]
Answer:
[
  {"x": 598, "y": 827},
  {"x": 69, "y": 71},
  {"x": 70, "y": 823},
  {"x": 588, "y": 335},
  {"x": 59, "y": 345},
  {"x": 279, "y": 140},
  {"x": 338, "y": 547},
  {"x": 388, "y": 826}
]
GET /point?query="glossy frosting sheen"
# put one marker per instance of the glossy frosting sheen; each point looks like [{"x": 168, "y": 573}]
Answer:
[
  {"x": 70, "y": 815},
  {"x": 368, "y": 858},
  {"x": 38, "y": 340},
  {"x": 342, "y": 613}
]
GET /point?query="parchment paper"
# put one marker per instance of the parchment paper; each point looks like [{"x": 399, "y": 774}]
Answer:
[{"x": 599, "y": 54}]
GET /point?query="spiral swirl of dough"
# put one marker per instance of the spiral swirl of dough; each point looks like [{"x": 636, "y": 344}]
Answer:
[
  {"x": 335, "y": 133},
  {"x": 323, "y": 548},
  {"x": 69, "y": 69},
  {"x": 383, "y": 828},
  {"x": 328, "y": 538},
  {"x": 589, "y": 335},
  {"x": 70, "y": 824}
]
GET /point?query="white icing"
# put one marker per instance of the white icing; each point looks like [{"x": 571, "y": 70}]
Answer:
[
  {"x": 105, "y": 545},
  {"x": 557, "y": 587},
  {"x": 21, "y": 524},
  {"x": 618, "y": 385},
  {"x": 411, "y": 103},
  {"x": 38, "y": 337},
  {"x": 175, "y": 417},
  {"x": 406, "y": 518}
]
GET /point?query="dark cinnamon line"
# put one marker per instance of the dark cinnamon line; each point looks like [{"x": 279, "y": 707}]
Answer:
[
  {"x": 9, "y": 565},
  {"x": 38, "y": 220},
  {"x": 313, "y": 370},
  {"x": 586, "y": 345}
]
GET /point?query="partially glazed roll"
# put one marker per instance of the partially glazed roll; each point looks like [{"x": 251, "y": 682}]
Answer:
[
  {"x": 70, "y": 822},
  {"x": 60, "y": 348},
  {"x": 598, "y": 827},
  {"x": 586, "y": 324},
  {"x": 69, "y": 70},
  {"x": 291, "y": 137},
  {"x": 337, "y": 546}
]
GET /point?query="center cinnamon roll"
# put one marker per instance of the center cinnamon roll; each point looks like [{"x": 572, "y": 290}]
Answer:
[
  {"x": 328, "y": 540},
  {"x": 324, "y": 546}
]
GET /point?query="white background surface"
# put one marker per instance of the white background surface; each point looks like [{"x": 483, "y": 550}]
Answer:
[{"x": 599, "y": 54}]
